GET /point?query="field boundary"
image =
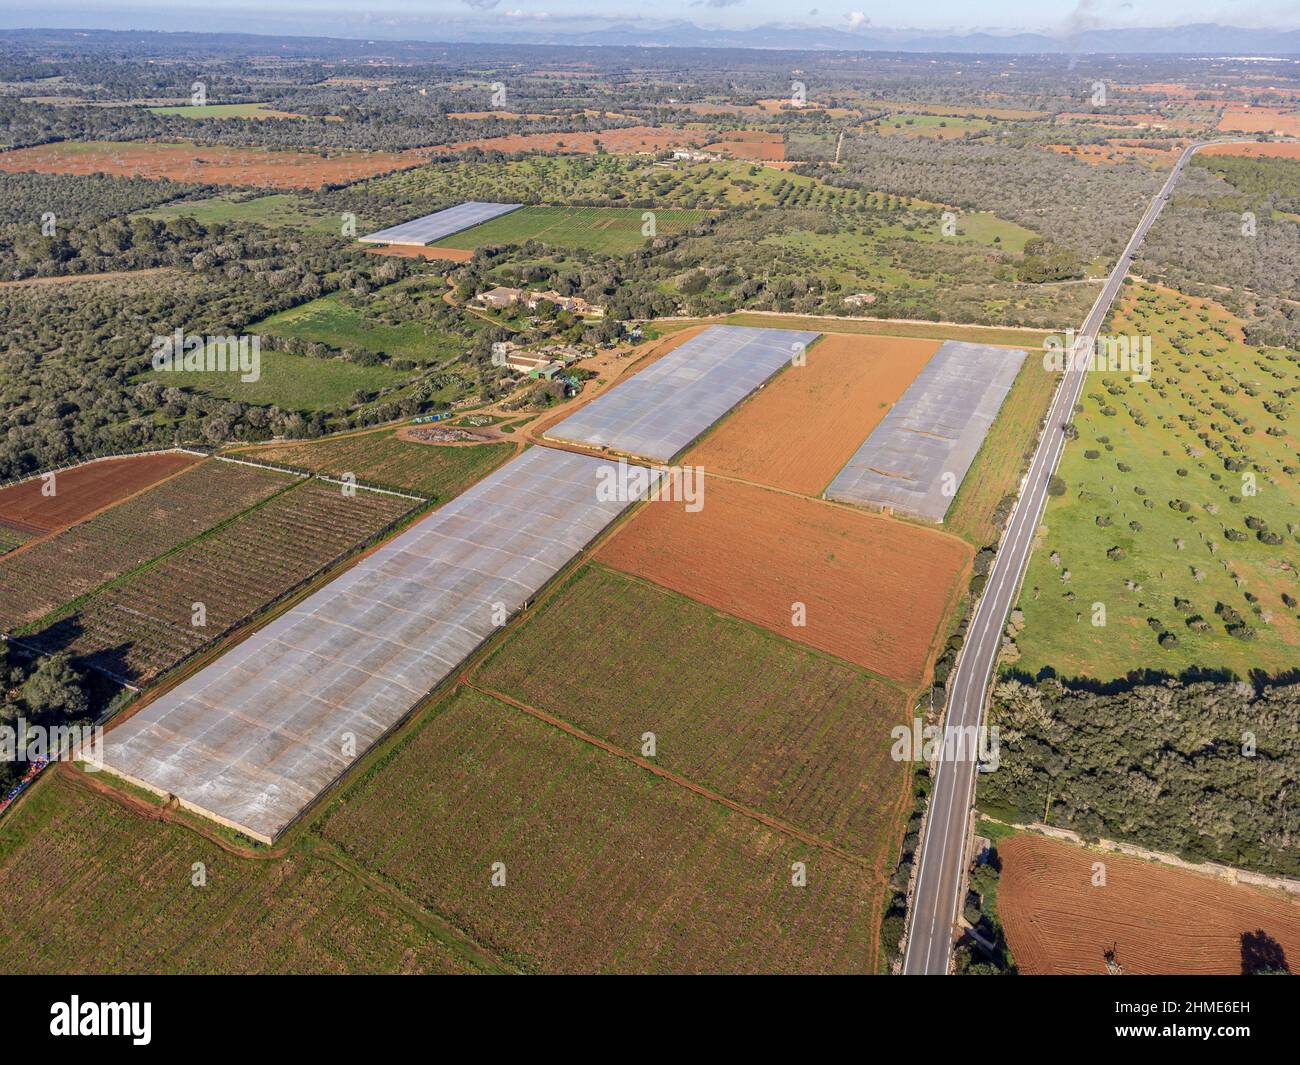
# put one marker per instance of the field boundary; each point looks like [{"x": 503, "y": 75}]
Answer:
[
  {"x": 1233, "y": 874},
  {"x": 104, "y": 458}
]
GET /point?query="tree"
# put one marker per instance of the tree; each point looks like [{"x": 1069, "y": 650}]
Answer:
[
  {"x": 1056, "y": 486},
  {"x": 55, "y": 687}
]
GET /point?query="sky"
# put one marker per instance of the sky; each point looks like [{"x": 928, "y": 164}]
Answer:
[{"x": 310, "y": 16}]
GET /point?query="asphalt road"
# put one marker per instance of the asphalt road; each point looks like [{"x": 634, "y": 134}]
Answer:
[{"x": 935, "y": 904}]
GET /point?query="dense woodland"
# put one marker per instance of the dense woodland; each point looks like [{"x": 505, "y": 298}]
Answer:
[
  {"x": 1208, "y": 771},
  {"x": 1232, "y": 233}
]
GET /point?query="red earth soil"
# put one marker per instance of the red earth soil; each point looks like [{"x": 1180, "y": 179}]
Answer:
[
  {"x": 875, "y": 591},
  {"x": 749, "y": 144},
  {"x": 1156, "y": 918},
  {"x": 85, "y": 490},
  {"x": 1256, "y": 151},
  {"x": 217, "y": 165},
  {"x": 410, "y": 251},
  {"x": 799, "y": 431}
]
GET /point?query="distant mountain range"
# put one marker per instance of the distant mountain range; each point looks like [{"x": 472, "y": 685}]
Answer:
[
  {"x": 414, "y": 33},
  {"x": 1203, "y": 39}
]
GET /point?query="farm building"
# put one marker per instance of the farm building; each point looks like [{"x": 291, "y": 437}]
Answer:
[{"x": 500, "y": 297}]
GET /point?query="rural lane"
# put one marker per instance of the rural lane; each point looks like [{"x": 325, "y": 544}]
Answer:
[{"x": 935, "y": 903}]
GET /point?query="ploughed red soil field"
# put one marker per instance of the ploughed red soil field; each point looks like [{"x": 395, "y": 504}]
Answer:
[
  {"x": 800, "y": 430},
  {"x": 1155, "y": 918},
  {"x": 872, "y": 590},
  {"x": 83, "y": 490}
]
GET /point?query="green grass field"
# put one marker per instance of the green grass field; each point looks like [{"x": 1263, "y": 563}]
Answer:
[
  {"x": 290, "y": 382},
  {"x": 918, "y": 125},
  {"x": 275, "y": 210},
  {"x": 334, "y": 321},
  {"x": 1158, "y": 525},
  {"x": 222, "y": 111},
  {"x": 613, "y": 230}
]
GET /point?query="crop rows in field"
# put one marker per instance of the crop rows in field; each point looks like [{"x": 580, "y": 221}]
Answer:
[
  {"x": 46, "y": 575},
  {"x": 384, "y": 458},
  {"x": 785, "y": 730},
  {"x": 1154, "y": 918},
  {"x": 608, "y": 229},
  {"x": 105, "y": 890},
  {"x": 144, "y": 625},
  {"x": 11, "y": 538},
  {"x": 607, "y": 867}
]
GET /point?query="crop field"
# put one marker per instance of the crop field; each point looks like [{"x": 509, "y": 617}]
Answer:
[
  {"x": 749, "y": 144},
  {"x": 383, "y": 458},
  {"x": 1278, "y": 150},
  {"x": 798, "y": 431},
  {"x": 82, "y": 490},
  {"x": 106, "y": 890},
  {"x": 336, "y": 321},
  {"x": 1156, "y": 918},
  {"x": 11, "y": 538},
  {"x": 874, "y": 591},
  {"x": 790, "y": 732},
  {"x": 994, "y": 476},
  {"x": 142, "y": 626},
  {"x": 608, "y": 868},
  {"x": 1179, "y": 511},
  {"x": 291, "y": 382},
  {"x": 183, "y": 161},
  {"x": 613, "y": 230},
  {"x": 46, "y": 575},
  {"x": 1261, "y": 120}
]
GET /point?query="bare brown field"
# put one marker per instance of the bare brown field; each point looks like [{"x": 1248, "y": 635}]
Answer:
[
  {"x": 1156, "y": 918},
  {"x": 798, "y": 432},
  {"x": 259, "y": 167},
  {"x": 875, "y": 591},
  {"x": 84, "y": 490},
  {"x": 1256, "y": 151},
  {"x": 1261, "y": 120},
  {"x": 411, "y": 251},
  {"x": 749, "y": 144}
]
